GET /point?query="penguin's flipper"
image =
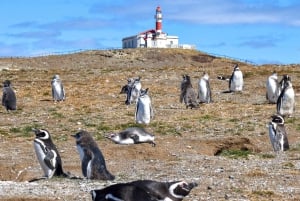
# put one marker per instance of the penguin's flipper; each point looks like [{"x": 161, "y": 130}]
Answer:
[
  {"x": 50, "y": 159},
  {"x": 135, "y": 138}
]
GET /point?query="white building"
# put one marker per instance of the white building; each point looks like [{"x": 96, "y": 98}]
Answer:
[{"x": 153, "y": 38}]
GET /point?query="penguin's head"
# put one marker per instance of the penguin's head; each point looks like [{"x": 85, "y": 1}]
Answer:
[
  {"x": 277, "y": 119},
  {"x": 83, "y": 138},
  {"x": 181, "y": 189},
  {"x": 56, "y": 77},
  {"x": 6, "y": 83},
  {"x": 236, "y": 67},
  {"x": 41, "y": 134}
]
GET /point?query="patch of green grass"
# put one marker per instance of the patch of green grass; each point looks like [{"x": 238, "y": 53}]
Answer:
[
  {"x": 235, "y": 153},
  {"x": 164, "y": 129},
  {"x": 267, "y": 156},
  {"x": 24, "y": 131},
  {"x": 263, "y": 193},
  {"x": 288, "y": 165}
]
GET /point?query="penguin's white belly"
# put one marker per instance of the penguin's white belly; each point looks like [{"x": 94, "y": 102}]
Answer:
[
  {"x": 126, "y": 141},
  {"x": 203, "y": 91},
  {"x": 237, "y": 82},
  {"x": 272, "y": 90},
  {"x": 80, "y": 151},
  {"x": 143, "y": 114},
  {"x": 288, "y": 101},
  {"x": 89, "y": 170},
  {"x": 41, "y": 156},
  {"x": 146, "y": 138}
]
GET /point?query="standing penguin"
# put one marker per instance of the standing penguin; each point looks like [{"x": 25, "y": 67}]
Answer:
[
  {"x": 273, "y": 89},
  {"x": 47, "y": 154},
  {"x": 58, "y": 91},
  {"x": 92, "y": 160},
  {"x": 286, "y": 100},
  {"x": 9, "y": 100},
  {"x": 277, "y": 134},
  {"x": 133, "y": 135},
  {"x": 143, "y": 111},
  {"x": 236, "y": 81},
  {"x": 188, "y": 95},
  {"x": 204, "y": 92}
]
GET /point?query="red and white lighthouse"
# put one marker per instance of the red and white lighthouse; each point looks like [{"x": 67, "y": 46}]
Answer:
[{"x": 158, "y": 17}]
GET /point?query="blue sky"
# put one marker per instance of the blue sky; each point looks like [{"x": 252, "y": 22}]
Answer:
[{"x": 261, "y": 31}]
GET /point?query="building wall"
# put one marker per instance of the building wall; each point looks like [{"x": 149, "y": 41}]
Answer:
[{"x": 163, "y": 41}]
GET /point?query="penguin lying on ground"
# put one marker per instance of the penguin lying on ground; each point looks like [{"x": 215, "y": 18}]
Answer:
[
  {"x": 48, "y": 156},
  {"x": 92, "y": 160},
  {"x": 134, "y": 135},
  {"x": 277, "y": 134},
  {"x": 121, "y": 192},
  {"x": 9, "y": 100},
  {"x": 236, "y": 81},
  {"x": 168, "y": 191},
  {"x": 188, "y": 95}
]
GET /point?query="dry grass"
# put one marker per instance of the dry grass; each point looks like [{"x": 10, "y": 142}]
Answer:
[{"x": 187, "y": 140}]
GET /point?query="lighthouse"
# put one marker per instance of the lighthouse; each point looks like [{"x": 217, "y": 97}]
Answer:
[
  {"x": 158, "y": 18},
  {"x": 154, "y": 37}
]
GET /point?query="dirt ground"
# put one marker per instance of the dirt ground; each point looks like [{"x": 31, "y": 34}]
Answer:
[{"x": 191, "y": 144}]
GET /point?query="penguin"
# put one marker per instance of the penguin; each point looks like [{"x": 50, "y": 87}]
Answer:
[
  {"x": 9, "y": 100},
  {"x": 236, "y": 81},
  {"x": 286, "y": 100},
  {"x": 58, "y": 92},
  {"x": 143, "y": 110},
  {"x": 277, "y": 134},
  {"x": 171, "y": 191},
  {"x": 47, "y": 154},
  {"x": 273, "y": 88},
  {"x": 126, "y": 87},
  {"x": 204, "y": 92},
  {"x": 133, "y": 91},
  {"x": 121, "y": 192},
  {"x": 92, "y": 160},
  {"x": 188, "y": 95},
  {"x": 133, "y": 135}
]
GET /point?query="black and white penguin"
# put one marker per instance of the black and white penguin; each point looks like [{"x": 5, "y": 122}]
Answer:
[
  {"x": 236, "y": 80},
  {"x": 47, "y": 154},
  {"x": 277, "y": 134},
  {"x": 133, "y": 135},
  {"x": 273, "y": 88},
  {"x": 286, "y": 99},
  {"x": 58, "y": 91},
  {"x": 133, "y": 90},
  {"x": 92, "y": 160},
  {"x": 121, "y": 192},
  {"x": 144, "y": 110},
  {"x": 9, "y": 100},
  {"x": 188, "y": 95},
  {"x": 171, "y": 191},
  {"x": 204, "y": 92}
]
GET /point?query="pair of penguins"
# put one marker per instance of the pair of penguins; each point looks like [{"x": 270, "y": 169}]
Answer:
[
  {"x": 282, "y": 94},
  {"x": 9, "y": 99},
  {"x": 94, "y": 167},
  {"x": 135, "y": 94},
  {"x": 188, "y": 96}
]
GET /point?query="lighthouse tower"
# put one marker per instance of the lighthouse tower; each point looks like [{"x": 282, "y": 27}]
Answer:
[{"x": 158, "y": 17}]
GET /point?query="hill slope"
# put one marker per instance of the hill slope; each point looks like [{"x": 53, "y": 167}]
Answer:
[{"x": 190, "y": 143}]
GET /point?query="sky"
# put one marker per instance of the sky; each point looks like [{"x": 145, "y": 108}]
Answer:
[{"x": 259, "y": 31}]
